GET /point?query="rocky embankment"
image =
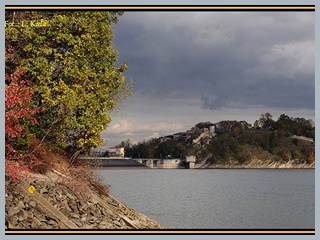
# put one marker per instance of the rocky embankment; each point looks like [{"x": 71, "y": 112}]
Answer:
[
  {"x": 256, "y": 163},
  {"x": 41, "y": 202}
]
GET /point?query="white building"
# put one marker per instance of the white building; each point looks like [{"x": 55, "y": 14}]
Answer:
[
  {"x": 213, "y": 130},
  {"x": 116, "y": 151}
]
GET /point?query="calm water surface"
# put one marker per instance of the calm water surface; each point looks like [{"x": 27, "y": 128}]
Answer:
[{"x": 219, "y": 199}]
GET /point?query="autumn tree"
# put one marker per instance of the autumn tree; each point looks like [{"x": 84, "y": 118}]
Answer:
[
  {"x": 71, "y": 60},
  {"x": 19, "y": 117}
]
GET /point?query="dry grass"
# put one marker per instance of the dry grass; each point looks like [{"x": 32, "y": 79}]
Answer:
[
  {"x": 80, "y": 179},
  {"x": 42, "y": 160},
  {"x": 45, "y": 157}
]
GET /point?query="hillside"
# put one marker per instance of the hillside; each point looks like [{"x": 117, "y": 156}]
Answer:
[
  {"x": 253, "y": 148},
  {"x": 287, "y": 142}
]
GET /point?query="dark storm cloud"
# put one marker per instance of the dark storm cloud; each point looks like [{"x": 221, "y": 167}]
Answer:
[{"x": 221, "y": 58}]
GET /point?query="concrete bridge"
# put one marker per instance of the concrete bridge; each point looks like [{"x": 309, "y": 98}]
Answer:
[
  {"x": 138, "y": 162},
  {"x": 160, "y": 163},
  {"x": 111, "y": 162}
]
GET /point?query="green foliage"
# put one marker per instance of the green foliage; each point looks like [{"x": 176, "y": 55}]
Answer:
[
  {"x": 218, "y": 148},
  {"x": 295, "y": 126},
  {"x": 172, "y": 148},
  {"x": 273, "y": 141},
  {"x": 139, "y": 150},
  {"x": 265, "y": 122},
  {"x": 155, "y": 149},
  {"x": 71, "y": 59},
  {"x": 236, "y": 131},
  {"x": 259, "y": 138}
]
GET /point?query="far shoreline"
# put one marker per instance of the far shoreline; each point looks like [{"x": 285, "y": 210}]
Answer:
[{"x": 206, "y": 168}]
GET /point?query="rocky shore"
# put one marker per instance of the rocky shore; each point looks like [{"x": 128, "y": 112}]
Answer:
[
  {"x": 40, "y": 202},
  {"x": 262, "y": 166},
  {"x": 256, "y": 163}
]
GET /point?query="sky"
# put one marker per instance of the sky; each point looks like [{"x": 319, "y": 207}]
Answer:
[{"x": 192, "y": 67}]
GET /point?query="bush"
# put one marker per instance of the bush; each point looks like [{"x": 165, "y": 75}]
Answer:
[{"x": 296, "y": 154}]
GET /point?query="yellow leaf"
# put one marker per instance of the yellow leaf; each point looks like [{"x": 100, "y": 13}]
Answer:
[{"x": 31, "y": 189}]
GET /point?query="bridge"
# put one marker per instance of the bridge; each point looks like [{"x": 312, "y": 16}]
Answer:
[
  {"x": 160, "y": 163},
  {"x": 111, "y": 162},
  {"x": 137, "y": 162}
]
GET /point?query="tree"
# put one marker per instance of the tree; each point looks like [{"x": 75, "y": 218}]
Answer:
[
  {"x": 236, "y": 131},
  {"x": 229, "y": 126},
  {"x": 295, "y": 126},
  {"x": 71, "y": 59},
  {"x": 18, "y": 112},
  {"x": 265, "y": 122},
  {"x": 19, "y": 116},
  {"x": 126, "y": 144},
  {"x": 170, "y": 149}
]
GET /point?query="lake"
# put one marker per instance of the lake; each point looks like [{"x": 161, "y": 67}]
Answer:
[{"x": 219, "y": 198}]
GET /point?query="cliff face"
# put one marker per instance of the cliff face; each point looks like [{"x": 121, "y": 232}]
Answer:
[{"x": 41, "y": 202}]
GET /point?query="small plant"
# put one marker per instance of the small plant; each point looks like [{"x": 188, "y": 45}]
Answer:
[{"x": 296, "y": 154}]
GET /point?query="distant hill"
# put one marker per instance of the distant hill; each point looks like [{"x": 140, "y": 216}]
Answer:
[
  {"x": 251, "y": 145},
  {"x": 285, "y": 141}
]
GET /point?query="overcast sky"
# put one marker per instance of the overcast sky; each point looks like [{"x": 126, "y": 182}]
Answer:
[{"x": 192, "y": 67}]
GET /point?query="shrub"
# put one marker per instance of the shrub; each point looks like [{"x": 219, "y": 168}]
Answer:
[{"x": 296, "y": 154}]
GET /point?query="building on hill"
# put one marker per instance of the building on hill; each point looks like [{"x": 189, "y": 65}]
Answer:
[
  {"x": 212, "y": 130},
  {"x": 204, "y": 137}
]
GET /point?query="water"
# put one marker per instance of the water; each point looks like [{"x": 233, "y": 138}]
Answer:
[{"x": 219, "y": 199}]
